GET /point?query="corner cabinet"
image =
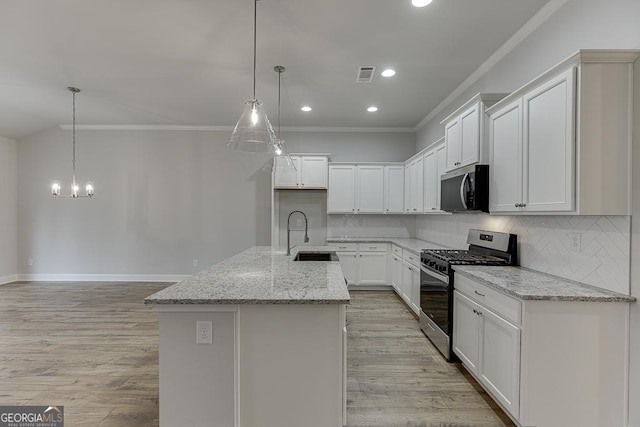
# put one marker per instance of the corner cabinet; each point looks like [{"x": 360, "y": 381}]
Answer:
[
  {"x": 562, "y": 143},
  {"x": 464, "y": 130},
  {"x": 546, "y": 362},
  {"x": 310, "y": 173}
]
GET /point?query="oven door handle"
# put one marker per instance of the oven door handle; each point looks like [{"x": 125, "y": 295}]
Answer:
[
  {"x": 431, "y": 273},
  {"x": 462, "y": 199}
]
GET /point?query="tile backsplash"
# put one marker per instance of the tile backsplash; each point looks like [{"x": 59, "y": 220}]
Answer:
[
  {"x": 545, "y": 243},
  {"x": 371, "y": 226}
]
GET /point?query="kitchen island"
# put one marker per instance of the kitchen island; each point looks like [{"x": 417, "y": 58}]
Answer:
[{"x": 278, "y": 344}]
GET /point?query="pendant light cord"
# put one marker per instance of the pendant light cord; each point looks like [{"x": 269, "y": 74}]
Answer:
[
  {"x": 74, "y": 137},
  {"x": 279, "y": 81},
  {"x": 255, "y": 40}
]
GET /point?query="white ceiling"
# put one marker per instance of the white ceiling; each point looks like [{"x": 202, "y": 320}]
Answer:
[{"x": 189, "y": 62}]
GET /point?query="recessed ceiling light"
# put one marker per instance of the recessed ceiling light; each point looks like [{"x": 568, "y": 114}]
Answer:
[
  {"x": 388, "y": 73},
  {"x": 306, "y": 108},
  {"x": 420, "y": 3},
  {"x": 372, "y": 109}
]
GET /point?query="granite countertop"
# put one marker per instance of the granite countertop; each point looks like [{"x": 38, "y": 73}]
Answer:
[
  {"x": 525, "y": 284},
  {"x": 410, "y": 244},
  {"x": 261, "y": 275}
]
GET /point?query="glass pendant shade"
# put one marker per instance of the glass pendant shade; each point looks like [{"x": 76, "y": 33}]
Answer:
[{"x": 253, "y": 132}]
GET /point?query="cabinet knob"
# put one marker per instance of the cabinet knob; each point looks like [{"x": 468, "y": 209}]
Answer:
[
  {"x": 433, "y": 209},
  {"x": 358, "y": 210}
]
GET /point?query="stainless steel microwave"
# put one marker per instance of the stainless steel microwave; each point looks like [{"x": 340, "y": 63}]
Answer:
[{"x": 465, "y": 189}]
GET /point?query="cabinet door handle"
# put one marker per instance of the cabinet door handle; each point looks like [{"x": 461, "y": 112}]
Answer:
[
  {"x": 474, "y": 311},
  {"x": 433, "y": 209},
  {"x": 478, "y": 293},
  {"x": 387, "y": 210},
  {"x": 479, "y": 313},
  {"x": 410, "y": 269}
]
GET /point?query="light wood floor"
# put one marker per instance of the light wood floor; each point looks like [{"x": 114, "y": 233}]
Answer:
[
  {"x": 396, "y": 377},
  {"x": 93, "y": 347}
]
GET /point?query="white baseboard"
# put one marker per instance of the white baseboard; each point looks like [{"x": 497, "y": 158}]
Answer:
[
  {"x": 8, "y": 279},
  {"x": 168, "y": 278}
]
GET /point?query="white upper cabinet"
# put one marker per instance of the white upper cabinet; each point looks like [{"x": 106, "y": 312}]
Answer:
[
  {"x": 394, "y": 189},
  {"x": 434, "y": 165},
  {"x": 310, "y": 173},
  {"x": 417, "y": 185},
  {"x": 505, "y": 129},
  {"x": 442, "y": 167},
  {"x": 313, "y": 172},
  {"x": 341, "y": 197},
  {"x": 286, "y": 176},
  {"x": 465, "y": 138},
  {"x": 548, "y": 144},
  {"x": 561, "y": 144},
  {"x": 370, "y": 189},
  {"x": 414, "y": 185},
  {"x": 407, "y": 187},
  {"x": 431, "y": 181},
  {"x": 365, "y": 188}
]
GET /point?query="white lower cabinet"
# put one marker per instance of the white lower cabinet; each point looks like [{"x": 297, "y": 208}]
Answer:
[
  {"x": 348, "y": 263},
  {"x": 396, "y": 273},
  {"x": 488, "y": 345},
  {"x": 546, "y": 363},
  {"x": 363, "y": 264},
  {"x": 410, "y": 281},
  {"x": 372, "y": 268}
]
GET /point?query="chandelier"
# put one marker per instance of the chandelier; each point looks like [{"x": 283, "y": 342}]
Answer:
[{"x": 55, "y": 187}]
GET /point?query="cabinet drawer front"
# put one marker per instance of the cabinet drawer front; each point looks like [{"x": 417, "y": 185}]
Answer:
[
  {"x": 498, "y": 302},
  {"x": 344, "y": 247},
  {"x": 411, "y": 258},
  {"x": 397, "y": 250},
  {"x": 372, "y": 247}
]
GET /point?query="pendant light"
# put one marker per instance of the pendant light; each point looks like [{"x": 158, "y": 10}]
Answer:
[
  {"x": 279, "y": 149},
  {"x": 253, "y": 132},
  {"x": 55, "y": 187}
]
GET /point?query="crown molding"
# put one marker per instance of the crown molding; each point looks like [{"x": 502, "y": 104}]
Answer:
[
  {"x": 529, "y": 27},
  {"x": 175, "y": 128}
]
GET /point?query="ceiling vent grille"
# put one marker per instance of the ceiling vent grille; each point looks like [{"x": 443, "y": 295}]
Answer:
[{"x": 365, "y": 74}]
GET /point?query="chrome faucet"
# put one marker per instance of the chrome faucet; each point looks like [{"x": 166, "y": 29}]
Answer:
[{"x": 306, "y": 236}]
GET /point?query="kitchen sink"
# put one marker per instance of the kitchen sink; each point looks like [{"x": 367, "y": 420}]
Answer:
[{"x": 316, "y": 256}]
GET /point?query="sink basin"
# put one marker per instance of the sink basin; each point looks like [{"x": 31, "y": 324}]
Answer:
[{"x": 316, "y": 256}]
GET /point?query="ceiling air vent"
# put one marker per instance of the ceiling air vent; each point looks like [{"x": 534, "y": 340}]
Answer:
[{"x": 365, "y": 74}]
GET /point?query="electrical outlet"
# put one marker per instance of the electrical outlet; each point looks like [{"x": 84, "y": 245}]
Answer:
[
  {"x": 195, "y": 262},
  {"x": 30, "y": 261},
  {"x": 204, "y": 332},
  {"x": 575, "y": 241}
]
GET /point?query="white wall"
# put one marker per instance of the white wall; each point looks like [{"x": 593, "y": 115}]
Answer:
[
  {"x": 579, "y": 24},
  {"x": 8, "y": 211},
  {"x": 163, "y": 199}
]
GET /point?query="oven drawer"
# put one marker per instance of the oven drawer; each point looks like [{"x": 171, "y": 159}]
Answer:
[
  {"x": 496, "y": 301},
  {"x": 411, "y": 258},
  {"x": 344, "y": 247},
  {"x": 372, "y": 247}
]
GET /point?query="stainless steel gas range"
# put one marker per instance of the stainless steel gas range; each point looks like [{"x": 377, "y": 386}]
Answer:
[{"x": 436, "y": 280}]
